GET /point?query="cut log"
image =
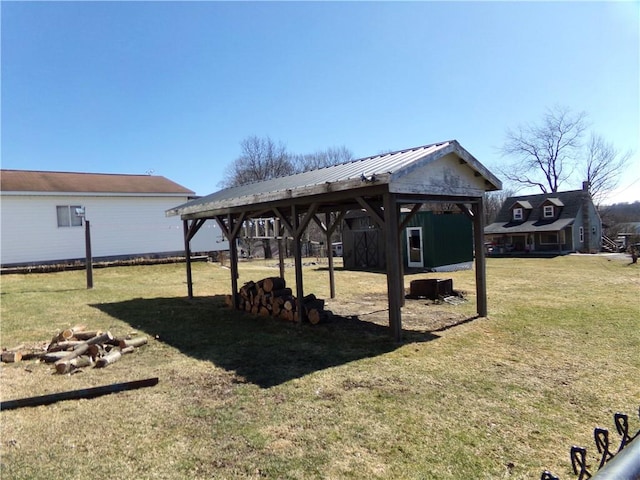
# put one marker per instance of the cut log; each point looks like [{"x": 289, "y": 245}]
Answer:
[
  {"x": 130, "y": 349},
  {"x": 64, "y": 345},
  {"x": 68, "y": 366},
  {"x": 11, "y": 357},
  {"x": 309, "y": 298},
  {"x": 111, "y": 357},
  {"x": 102, "y": 338},
  {"x": 318, "y": 316},
  {"x": 50, "y": 357},
  {"x": 289, "y": 304},
  {"x": 76, "y": 352},
  {"x": 247, "y": 288},
  {"x": 273, "y": 283},
  {"x": 283, "y": 292},
  {"x": 32, "y": 354},
  {"x": 317, "y": 304},
  {"x": 133, "y": 342},
  {"x": 70, "y": 333},
  {"x": 95, "y": 351},
  {"x": 265, "y": 299},
  {"x": 264, "y": 311},
  {"x": 287, "y": 315},
  {"x": 87, "y": 335}
]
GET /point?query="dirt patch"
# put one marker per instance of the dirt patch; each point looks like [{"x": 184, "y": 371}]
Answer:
[{"x": 417, "y": 314}]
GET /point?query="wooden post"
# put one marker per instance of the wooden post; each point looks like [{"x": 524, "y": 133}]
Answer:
[
  {"x": 393, "y": 268},
  {"x": 89, "y": 260},
  {"x": 281, "y": 255},
  {"x": 297, "y": 254},
  {"x": 332, "y": 280},
  {"x": 478, "y": 236},
  {"x": 187, "y": 257},
  {"x": 233, "y": 257}
]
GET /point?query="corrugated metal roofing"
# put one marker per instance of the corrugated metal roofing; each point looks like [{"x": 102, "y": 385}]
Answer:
[
  {"x": 379, "y": 167},
  {"x": 69, "y": 182}
]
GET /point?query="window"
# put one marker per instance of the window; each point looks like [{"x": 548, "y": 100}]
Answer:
[
  {"x": 517, "y": 214},
  {"x": 548, "y": 211},
  {"x": 67, "y": 216},
  {"x": 552, "y": 238},
  {"x": 549, "y": 238},
  {"x": 581, "y": 233}
]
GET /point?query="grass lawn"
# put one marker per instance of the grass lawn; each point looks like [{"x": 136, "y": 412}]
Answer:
[{"x": 249, "y": 397}]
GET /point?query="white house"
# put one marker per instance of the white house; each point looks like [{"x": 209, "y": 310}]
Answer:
[{"x": 43, "y": 217}]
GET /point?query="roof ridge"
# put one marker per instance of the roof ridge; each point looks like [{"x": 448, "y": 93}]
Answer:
[
  {"x": 78, "y": 173},
  {"x": 404, "y": 150}
]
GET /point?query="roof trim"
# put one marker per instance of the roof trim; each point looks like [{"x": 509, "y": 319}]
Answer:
[{"x": 92, "y": 183}]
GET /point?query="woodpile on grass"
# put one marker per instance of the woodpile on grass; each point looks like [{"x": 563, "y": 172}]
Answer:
[
  {"x": 76, "y": 348},
  {"x": 270, "y": 297}
]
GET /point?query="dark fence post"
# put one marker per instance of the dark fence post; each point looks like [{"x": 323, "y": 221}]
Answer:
[{"x": 89, "y": 260}]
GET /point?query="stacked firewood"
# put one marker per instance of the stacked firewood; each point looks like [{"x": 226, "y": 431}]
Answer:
[
  {"x": 271, "y": 297},
  {"x": 76, "y": 348}
]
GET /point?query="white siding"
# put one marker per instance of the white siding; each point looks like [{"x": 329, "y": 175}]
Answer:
[
  {"x": 119, "y": 226},
  {"x": 209, "y": 238}
]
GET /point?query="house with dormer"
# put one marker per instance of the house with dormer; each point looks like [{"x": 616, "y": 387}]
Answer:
[{"x": 558, "y": 222}]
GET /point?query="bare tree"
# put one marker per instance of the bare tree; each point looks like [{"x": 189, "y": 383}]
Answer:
[
  {"x": 323, "y": 158},
  {"x": 261, "y": 159},
  {"x": 493, "y": 202},
  {"x": 603, "y": 166},
  {"x": 545, "y": 153}
]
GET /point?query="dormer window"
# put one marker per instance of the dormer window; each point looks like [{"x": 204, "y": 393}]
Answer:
[
  {"x": 548, "y": 211},
  {"x": 518, "y": 213}
]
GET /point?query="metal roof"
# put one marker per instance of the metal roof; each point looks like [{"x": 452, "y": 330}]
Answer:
[
  {"x": 31, "y": 181},
  {"x": 378, "y": 169}
]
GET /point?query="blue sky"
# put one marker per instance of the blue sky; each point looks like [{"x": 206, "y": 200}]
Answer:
[{"x": 173, "y": 87}]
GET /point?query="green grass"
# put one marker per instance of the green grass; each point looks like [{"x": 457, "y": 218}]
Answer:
[{"x": 247, "y": 397}]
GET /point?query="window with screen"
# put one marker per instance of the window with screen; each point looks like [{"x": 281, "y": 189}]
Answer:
[{"x": 67, "y": 216}]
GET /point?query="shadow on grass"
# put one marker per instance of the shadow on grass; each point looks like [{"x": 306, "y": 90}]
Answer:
[{"x": 261, "y": 350}]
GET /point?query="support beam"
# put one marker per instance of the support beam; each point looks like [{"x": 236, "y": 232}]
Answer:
[
  {"x": 477, "y": 209},
  {"x": 285, "y": 221},
  {"x": 409, "y": 216},
  {"x": 373, "y": 211},
  {"x": 332, "y": 280},
  {"x": 393, "y": 267},
  {"x": 465, "y": 210},
  {"x": 187, "y": 256},
  {"x": 233, "y": 255},
  {"x": 281, "y": 255},
  {"x": 297, "y": 254},
  {"x": 194, "y": 226},
  {"x": 328, "y": 227}
]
